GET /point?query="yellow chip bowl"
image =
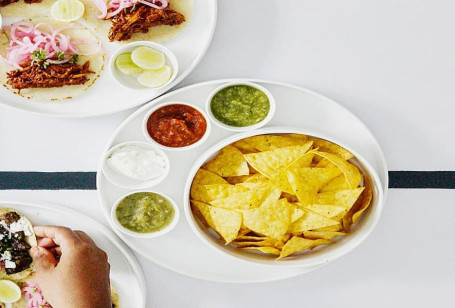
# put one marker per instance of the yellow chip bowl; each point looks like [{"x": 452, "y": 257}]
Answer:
[{"x": 283, "y": 197}]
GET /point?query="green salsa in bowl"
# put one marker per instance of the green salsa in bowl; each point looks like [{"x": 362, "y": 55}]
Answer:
[
  {"x": 145, "y": 214},
  {"x": 241, "y": 106}
]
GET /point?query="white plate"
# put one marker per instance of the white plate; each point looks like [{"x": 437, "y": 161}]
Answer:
[
  {"x": 126, "y": 275},
  {"x": 181, "y": 250},
  {"x": 105, "y": 96}
]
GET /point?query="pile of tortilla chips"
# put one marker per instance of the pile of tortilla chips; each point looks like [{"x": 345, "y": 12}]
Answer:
[{"x": 280, "y": 194}]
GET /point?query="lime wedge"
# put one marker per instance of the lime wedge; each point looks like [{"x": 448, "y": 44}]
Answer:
[
  {"x": 9, "y": 292},
  {"x": 155, "y": 78},
  {"x": 126, "y": 65},
  {"x": 148, "y": 58},
  {"x": 67, "y": 10}
]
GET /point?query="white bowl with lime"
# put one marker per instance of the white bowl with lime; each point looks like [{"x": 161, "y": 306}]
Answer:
[{"x": 143, "y": 65}]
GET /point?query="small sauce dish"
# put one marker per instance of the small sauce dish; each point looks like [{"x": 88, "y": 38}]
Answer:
[
  {"x": 176, "y": 126},
  {"x": 227, "y": 110},
  {"x": 135, "y": 165},
  {"x": 154, "y": 213}
]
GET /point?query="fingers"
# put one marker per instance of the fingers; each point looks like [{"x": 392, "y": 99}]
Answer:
[
  {"x": 46, "y": 242},
  {"x": 45, "y": 261},
  {"x": 61, "y": 236},
  {"x": 84, "y": 237}
]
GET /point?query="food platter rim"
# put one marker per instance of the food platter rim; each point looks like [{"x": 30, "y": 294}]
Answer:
[
  {"x": 123, "y": 247},
  {"x": 176, "y": 82},
  {"x": 324, "y": 256}
]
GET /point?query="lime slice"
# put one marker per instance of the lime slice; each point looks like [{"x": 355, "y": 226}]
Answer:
[
  {"x": 126, "y": 65},
  {"x": 9, "y": 292},
  {"x": 67, "y": 10},
  {"x": 155, "y": 78},
  {"x": 148, "y": 58}
]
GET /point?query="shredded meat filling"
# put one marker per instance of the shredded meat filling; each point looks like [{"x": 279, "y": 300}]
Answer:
[
  {"x": 140, "y": 18},
  {"x": 55, "y": 75},
  {"x": 6, "y": 2},
  {"x": 13, "y": 244}
]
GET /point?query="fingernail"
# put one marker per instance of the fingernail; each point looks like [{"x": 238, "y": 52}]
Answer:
[{"x": 34, "y": 251}]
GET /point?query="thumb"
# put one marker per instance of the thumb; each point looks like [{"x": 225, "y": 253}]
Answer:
[{"x": 44, "y": 260}]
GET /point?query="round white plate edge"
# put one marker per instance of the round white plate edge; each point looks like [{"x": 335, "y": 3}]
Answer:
[
  {"x": 177, "y": 80},
  {"x": 104, "y": 230},
  {"x": 299, "y": 271}
]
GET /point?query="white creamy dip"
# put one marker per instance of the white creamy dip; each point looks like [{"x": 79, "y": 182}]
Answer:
[{"x": 137, "y": 163}]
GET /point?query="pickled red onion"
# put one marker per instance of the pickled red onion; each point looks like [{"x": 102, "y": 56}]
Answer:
[
  {"x": 25, "y": 38},
  {"x": 119, "y": 5},
  {"x": 34, "y": 296}
]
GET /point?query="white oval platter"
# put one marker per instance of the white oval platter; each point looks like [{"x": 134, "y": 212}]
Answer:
[{"x": 181, "y": 250}]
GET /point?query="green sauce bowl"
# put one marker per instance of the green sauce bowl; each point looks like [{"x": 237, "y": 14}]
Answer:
[
  {"x": 215, "y": 118},
  {"x": 166, "y": 228}
]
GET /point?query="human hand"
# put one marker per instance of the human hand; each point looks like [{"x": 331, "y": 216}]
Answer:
[{"x": 71, "y": 270}]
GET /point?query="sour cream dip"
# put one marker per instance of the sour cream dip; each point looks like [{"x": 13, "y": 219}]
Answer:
[{"x": 137, "y": 163}]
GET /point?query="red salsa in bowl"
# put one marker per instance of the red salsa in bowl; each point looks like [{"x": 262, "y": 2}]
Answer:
[{"x": 176, "y": 125}]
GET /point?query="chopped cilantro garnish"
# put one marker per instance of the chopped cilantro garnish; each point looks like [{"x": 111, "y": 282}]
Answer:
[
  {"x": 74, "y": 58},
  {"x": 60, "y": 55},
  {"x": 38, "y": 55}
]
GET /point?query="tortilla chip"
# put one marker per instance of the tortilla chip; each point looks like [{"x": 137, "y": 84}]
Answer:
[
  {"x": 241, "y": 201},
  {"x": 333, "y": 228},
  {"x": 219, "y": 191},
  {"x": 204, "y": 177},
  {"x": 344, "y": 198},
  {"x": 263, "y": 143},
  {"x": 203, "y": 210},
  {"x": 334, "y": 212},
  {"x": 296, "y": 244},
  {"x": 327, "y": 146},
  {"x": 237, "y": 179},
  {"x": 310, "y": 221},
  {"x": 351, "y": 172},
  {"x": 228, "y": 162},
  {"x": 296, "y": 213},
  {"x": 244, "y": 146},
  {"x": 272, "y": 161},
  {"x": 314, "y": 235},
  {"x": 271, "y": 250},
  {"x": 227, "y": 223},
  {"x": 271, "y": 218},
  {"x": 306, "y": 182},
  {"x": 359, "y": 207},
  {"x": 251, "y": 238}
]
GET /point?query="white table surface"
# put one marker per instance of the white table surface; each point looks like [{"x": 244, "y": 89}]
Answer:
[{"x": 391, "y": 62}]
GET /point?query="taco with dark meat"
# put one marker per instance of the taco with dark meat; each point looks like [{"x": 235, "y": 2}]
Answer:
[
  {"x": 16, "y": 239},
  {"x": 45, "y": 60},
  {"x": 138, "y": 20}
]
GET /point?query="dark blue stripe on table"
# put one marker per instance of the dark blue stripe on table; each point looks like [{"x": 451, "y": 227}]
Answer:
[
  {"x": 47, "y": 180},
  {"x": 87, "y": 180}
]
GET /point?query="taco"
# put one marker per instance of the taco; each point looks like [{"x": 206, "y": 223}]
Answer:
[
  {"x": 16, "y": 239},
  {"x": 17, "y": 8},
  {"x": 138, "y": 20},
  {"x": 45, "y": 60}
]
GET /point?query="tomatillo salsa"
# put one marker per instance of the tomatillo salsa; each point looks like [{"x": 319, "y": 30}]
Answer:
[
  {"x": 240, "y": 105},
  {"x": 145, "y": 212},
  {"x": 176, "y": 125}
]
